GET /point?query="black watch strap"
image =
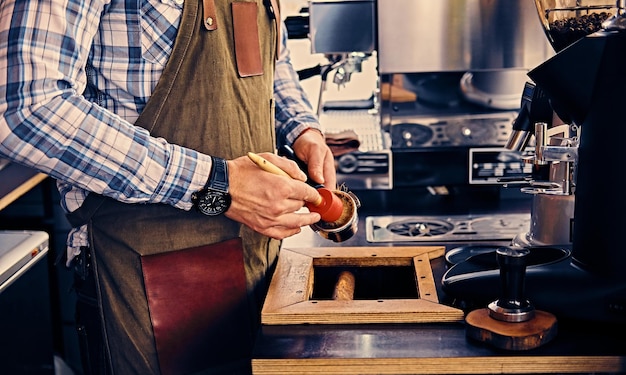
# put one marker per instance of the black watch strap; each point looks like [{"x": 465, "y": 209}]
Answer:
[{"x": 218, "y": 179}]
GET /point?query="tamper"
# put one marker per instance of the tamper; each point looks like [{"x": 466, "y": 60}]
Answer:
[
  {"x": 511, "y": 322},
  {"x": 512, "y": 306}
]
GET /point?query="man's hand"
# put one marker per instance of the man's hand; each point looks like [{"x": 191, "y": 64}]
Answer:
[
  {"x": 311, "y": 148},
  {"x": 266, "y": 202}
]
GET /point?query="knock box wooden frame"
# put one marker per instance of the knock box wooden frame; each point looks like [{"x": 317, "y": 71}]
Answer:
[{"x": 288, "y": 299}]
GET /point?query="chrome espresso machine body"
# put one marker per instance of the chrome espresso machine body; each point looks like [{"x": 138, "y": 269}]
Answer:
[
  {"x": 449, "y": 73},
  {"x": 466, "y": 62},
  {"x": 576, "y": 270}
]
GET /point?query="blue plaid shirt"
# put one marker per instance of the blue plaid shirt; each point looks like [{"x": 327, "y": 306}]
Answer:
[{"x": 76, "y": 74}]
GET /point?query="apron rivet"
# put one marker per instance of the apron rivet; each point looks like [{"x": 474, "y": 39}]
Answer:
[{"x": 209, "y": 21}]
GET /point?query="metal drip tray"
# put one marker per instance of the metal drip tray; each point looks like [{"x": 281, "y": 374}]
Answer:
[{"x": 445, "y": 228}]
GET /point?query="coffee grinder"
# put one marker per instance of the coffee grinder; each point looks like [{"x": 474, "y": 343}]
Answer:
[{"x": 585, "y": 87}]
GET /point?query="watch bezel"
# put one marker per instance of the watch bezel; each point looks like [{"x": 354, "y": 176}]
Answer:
[{"x": 208, "y": 208}]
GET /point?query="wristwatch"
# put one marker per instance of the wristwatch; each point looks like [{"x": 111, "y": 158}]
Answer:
[{"x": 214, "y": 199}]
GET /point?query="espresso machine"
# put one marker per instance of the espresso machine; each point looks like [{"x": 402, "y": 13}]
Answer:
[
  {"x": 572, "y": 107},
  {"x": 465, "y": 63},
  {"x": 448, "y": 79}
]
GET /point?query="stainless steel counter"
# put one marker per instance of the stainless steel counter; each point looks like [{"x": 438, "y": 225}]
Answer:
[{"x": 418, "y": 202}]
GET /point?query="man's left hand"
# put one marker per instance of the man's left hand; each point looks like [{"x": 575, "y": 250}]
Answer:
[{"x": 311, "y": 148}]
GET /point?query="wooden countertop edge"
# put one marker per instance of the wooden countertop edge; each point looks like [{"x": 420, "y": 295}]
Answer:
[
  {"x": 22, "y": 189},
  {"x": 519, "y": 364}
]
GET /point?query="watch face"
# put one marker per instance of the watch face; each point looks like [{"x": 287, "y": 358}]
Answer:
[{"x": 213, "y": 203}]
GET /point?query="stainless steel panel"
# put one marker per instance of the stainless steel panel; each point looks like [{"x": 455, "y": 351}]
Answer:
[
  {"x": 450, "y": 228},
  {"x": 459, "y": 35},
  {"x": 18, "y": 251},
  {"x": 342, "y": 26},
  {"x": 370, "y": 166},
  {"x": 26, "y": 322}
]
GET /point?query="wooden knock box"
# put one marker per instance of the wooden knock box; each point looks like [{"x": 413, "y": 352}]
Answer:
[{"x": 349, "y": 285}]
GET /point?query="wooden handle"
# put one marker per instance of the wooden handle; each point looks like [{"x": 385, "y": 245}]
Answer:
[
  {"x": 266, "y": 165},
  {"x": 328, "y": 205},
  {"x": 344, "y": 288}
]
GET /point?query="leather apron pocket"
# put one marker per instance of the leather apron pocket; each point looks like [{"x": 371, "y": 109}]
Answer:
[
  {"x": 246, "y": 34},
  {"x": 198, "y": 306}
]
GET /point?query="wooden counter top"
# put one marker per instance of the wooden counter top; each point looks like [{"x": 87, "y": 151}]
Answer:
[
  {"x": 17, "y": 180},
  {"x": 430, "y": 348},
  {"x": 425, "y": 348}
]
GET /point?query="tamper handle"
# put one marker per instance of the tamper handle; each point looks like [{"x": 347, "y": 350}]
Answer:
[
  {"x": 512, "y": 264},
  {"x": 289, "y": 153},
  {"x": 512, "y": 306}
]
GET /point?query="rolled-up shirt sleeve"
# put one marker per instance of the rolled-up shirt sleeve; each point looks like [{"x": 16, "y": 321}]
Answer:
[
  {"x": 294, "y": 113},
  {"x": 48, "y": 124}
]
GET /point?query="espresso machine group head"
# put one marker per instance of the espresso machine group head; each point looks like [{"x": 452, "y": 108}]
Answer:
[{"x": 585, "y": 85}]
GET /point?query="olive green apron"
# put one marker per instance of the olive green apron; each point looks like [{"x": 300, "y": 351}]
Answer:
[{"x": 180, "y": 292}]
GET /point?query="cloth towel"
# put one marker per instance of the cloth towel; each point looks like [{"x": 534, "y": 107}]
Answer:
[{"x": 342, "y": 142}]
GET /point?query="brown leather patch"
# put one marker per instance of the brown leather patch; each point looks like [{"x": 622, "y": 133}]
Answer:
[
  {"x": 246, "y": 34},
  {"x": 198, "y": 306},
  {"x": 210, "y": 15}
]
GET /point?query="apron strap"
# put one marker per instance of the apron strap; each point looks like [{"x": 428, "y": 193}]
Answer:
[
  {"x": 85, "y": 212},
  {"x": 210, "y": 15}
]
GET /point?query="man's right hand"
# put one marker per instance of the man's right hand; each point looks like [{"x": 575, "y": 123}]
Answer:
[{"x": 266, "y": 202}]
